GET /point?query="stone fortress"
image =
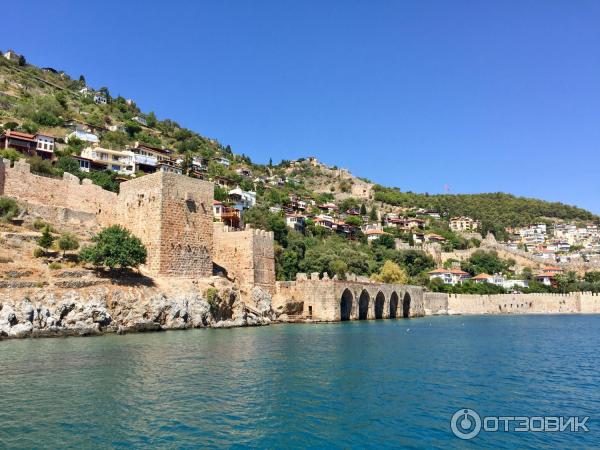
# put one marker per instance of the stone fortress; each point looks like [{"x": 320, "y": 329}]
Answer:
[{"x": 172, "y": 215}]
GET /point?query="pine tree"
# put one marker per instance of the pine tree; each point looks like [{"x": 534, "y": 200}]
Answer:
[
  {"x": 363, "y": 210},
  {"x": 45, "y": 241}
]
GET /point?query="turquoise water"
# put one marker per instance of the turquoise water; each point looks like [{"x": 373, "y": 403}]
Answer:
[{"x": 390, "y": 383}]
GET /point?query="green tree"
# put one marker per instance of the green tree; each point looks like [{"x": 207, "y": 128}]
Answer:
[
  {"x": 373, "y": 214},
  {"x": 68, "y": 164},
  {"x": 391, "y": 273},
  {"x": 363, "y": 210},
  {"x": 592, "y": 277},
  {"x": 67, "y": 242},
  {"x": 22, "y": 61},
  {"x": 115, "y": 247},
  {"x": 354, "y": 221},
  {"x": 46, "y": 239}
]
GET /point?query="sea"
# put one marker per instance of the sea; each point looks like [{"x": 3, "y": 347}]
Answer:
[{"x": 509, "y": 382}]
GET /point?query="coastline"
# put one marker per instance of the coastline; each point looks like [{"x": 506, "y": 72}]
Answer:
[{"x": 109, "y": 309}]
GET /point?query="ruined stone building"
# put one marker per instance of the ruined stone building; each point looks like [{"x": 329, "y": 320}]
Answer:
[{"x": 170, "y": 213}]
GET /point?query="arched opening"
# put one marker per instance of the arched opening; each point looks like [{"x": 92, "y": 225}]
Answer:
[
  {"x": 346, "y": 305},
  {"x": 363, "y": 305},
  {"x": 379, "y": 301},
  {"x": 393, "y": 305},
  {"x": 406, "y": 305}
]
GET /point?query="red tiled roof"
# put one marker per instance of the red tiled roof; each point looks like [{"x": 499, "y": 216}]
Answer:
[
  {"x": 482, "y": 276},
  {"x": 19, "y": 135},
  {"x": 217, "y": 202}
]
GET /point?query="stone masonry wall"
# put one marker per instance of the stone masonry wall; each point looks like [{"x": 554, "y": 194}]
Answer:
[
  {"x": 68, "y": 192},
  {"x": 248, "y": 256},
  {"x": 321, "y": 298},
  {"x": 576, "y": 302},
  {"x": 435, "y": 303},
  {"x": 172, "y": 215}
]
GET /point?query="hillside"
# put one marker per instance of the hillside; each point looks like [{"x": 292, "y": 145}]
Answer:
[
  {"x": 35, "y": 100},
  {"x": 48, "y": 100}
]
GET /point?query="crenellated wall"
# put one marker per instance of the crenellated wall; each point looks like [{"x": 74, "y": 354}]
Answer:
[
  {"x": 572, "y": 303},
  {"x": 248, "y": 256},
  {"x": 323, "y": 299},
  {"x": 171, "y": 214},
  {"x": 66, "y": 192}
]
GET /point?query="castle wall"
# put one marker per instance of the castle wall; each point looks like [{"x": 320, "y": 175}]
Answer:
[
  {"x": 321, "y": 298},
  {"x": 248, "y": 256},
  {"x": 139, "y": 210},
  {"x": 68, "y": 193},
  {"x": 172, "y": 215},
  {"x": 575, "y": 302},
  {"x": 435, "y": 303}
]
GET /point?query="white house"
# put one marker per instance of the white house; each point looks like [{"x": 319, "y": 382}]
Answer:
[
  {"x": 83, "y": 136},
  {"x": 11, "y": 55},
  {"x": 44, "y": 143},
  {"x": 120, "y": 161},
  {"x": 140, "y": 120},
  {"x": 243, "y": 199},
  {"x": 295, "y": 221},
  {"x": 449, "y": 276},
  {"x": 100, "y": 99}
]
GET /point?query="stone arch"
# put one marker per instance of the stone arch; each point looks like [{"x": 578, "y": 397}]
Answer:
[
  {"x": 346, "y": 304},
  {"x": 406, "y": 305},
  {"x": 363, "y": 305},
  {"x": 379, "y": 302},
  {"x": 393, "y": 305}
]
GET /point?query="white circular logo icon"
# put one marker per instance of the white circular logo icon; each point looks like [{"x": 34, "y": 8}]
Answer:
[{"x": 465, "y": 424}]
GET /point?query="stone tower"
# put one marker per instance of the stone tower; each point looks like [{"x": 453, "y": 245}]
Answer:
[{"x": 172, "y": 215}]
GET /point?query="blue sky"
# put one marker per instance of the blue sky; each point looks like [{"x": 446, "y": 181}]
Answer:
[{"x": 480, "y": 96}]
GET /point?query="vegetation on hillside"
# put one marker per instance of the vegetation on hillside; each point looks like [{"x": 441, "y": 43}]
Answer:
[{"x": 495, "y": 211}]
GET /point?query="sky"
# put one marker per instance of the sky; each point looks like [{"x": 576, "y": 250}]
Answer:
[{"x": 428, "y": 96}]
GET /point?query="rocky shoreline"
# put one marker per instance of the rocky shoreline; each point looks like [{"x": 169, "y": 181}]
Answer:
[{"x": 96, "y": 310}]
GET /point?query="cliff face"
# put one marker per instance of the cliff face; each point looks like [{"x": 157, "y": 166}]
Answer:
[{"x": 43, "y": 312}]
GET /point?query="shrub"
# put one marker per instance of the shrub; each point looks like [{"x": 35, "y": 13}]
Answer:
[
  {"x": 40, "y": 165},
  {"x": 38, "y": 252},
  {"x": 68, "y": 242},
  {"x": 115, "y": 247},
  {"x": 54, "y": 266},
  {"x": 11, "y": 154},
  {"x": 8, "y": 208},
  {"x": 39, "y": 224},
  {"x": 46, "y": 239}
]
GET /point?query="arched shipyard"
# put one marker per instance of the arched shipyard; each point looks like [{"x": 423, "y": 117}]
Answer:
[{"x": 319, "y": 298}]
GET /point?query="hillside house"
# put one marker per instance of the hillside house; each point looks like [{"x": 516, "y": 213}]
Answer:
[
  {"x": 169, "y": 166},
  {"x": 243, "y": 199},
  {"x": 141, "y": 120},
  {"x": 84, "y": 136},
  {"x": 295, "y": 222},
  {"x": 100, "y": 99},
  {"x": 223, "y": 161},
  {"x": 243, "y": 171},
  {"x": 328, "y": 208},
  {"x": 463, "y": 224},
  {"x": 374, "y": 234},
  {"x": 11, "y": 55},
  {"x": 449, "y": 276},
  {"x": 39, "y": 144},
  {"x": 548, "y": 275},
  {"x": 228, "y": 216},
  {"x": 119, "y": 161}
]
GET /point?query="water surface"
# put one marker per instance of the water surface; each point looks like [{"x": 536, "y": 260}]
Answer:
[{"x": 387, "y": 383}]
